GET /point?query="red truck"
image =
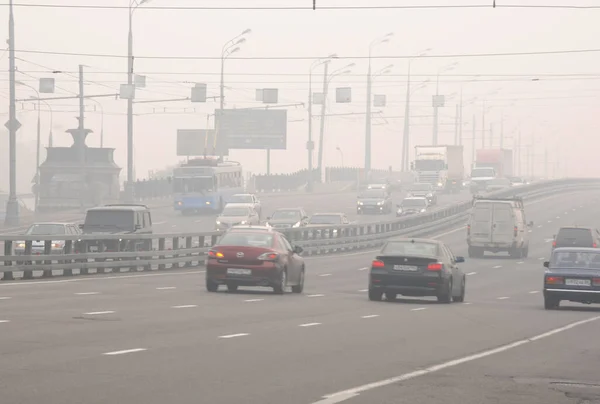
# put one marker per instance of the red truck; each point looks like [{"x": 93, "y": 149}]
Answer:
[{"x": 501, "y": 160}]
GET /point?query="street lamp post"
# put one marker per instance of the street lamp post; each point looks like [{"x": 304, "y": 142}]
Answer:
[
  {"x": 436, "y": 103},
  {"x": 374, "y": 43},
  {"x": 101, "y": 121},
  {"x": 133, "y": 5},
  {"x": 341, "y": 155}
]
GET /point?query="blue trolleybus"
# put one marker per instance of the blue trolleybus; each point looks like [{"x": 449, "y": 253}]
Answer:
[{"x": 206, "y": 184}]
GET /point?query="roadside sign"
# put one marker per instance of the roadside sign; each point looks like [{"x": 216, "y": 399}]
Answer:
[{"x": 252, "y": 128}]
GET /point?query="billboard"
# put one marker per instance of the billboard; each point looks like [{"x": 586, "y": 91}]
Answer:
[
  {"x": 252, "y": 128},
  {"x": 199, "y": 142}
]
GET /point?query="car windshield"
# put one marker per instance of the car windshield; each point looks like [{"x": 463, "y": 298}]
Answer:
[
  {"x": 515, "y": 180},
  {"x": 575, "y": 260},
  {"x": 326, "y": 219},
  {"x": 413, "y": 203},
  {"x": 232, "y": 211},
  {"x": 45, "y": 229},
  {"x": 373, "y": 193},
  {"x": 420, "y": 187},
  {"x": 482, "y": 172},
  {"x": 241, "y": 199},
  {"x": 241, "y": 239},
  {"x": 286, "y": 215},
  {"x": 110, "y": 218},
  {"x": 410, "y": 248}
]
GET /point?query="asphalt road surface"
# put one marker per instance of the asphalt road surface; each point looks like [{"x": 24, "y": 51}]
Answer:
[{"x": 158, "y": 338}]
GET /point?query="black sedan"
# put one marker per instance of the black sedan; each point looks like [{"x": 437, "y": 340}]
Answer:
[
  {"x": 572, "y": 274},
  {"x": 416, "y": 267}
]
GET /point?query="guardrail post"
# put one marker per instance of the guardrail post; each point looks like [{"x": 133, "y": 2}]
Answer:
[
  {"x": 68, "y": 250},
  {"x": 213, "y": 240},
  {"x": 161, "y": 247},
  {"x": 175, "y": 247},
  {"x": 8, "y": 275},
  {"x": 27, "y": 274},
  {"x": 188, "y": 245},
  {"x": 47, "y": 251}
]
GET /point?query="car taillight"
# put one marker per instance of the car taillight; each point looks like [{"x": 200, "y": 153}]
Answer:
[
  {"x": 377, "y": 264},
  {"x": 468, "y": 230},
  {"x": 594, "y": 245},
  {"x": 215, "y": 254},
  {"x": 436, "y": 266},
  {"x": 269, "y": 256},
  {"x": 554, "y": 244},
  {"x": 596, "y": 281},
  {"x": 555, "y": 280},
  {"x": 516, "y": 231}
]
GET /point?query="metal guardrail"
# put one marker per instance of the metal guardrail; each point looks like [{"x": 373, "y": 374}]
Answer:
[{"x": 190, "y": 248}]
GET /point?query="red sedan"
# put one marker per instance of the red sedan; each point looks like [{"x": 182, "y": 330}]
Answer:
[{"x": 255, "y": 258}]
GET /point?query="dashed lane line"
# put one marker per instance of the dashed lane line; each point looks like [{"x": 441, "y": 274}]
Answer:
[
  {"x": 534, "y": 292},
  {"x": 472, "y": 273},
  {"x": 419, "y": 309},
  {"x": 97, "y": 313},
  {"x": 521, "y": 262},
  {"x": 233, "y": 336},
  {"x": 503, "y": 298},
  {"x": 4, "y": 321},
  {"x": 497, "y": 266},
  {"x": 5, "y": 298},
  {"x": 309, "y": 324},
  {"x": 317, "y": 295},
  {"x": 370, "y": 316},
  {"x": 87, "y": 293},
  {"x": 126, "y": 351},
  {"x": 185, "y": 306},
  {"x": 166, "y": 288},
  {"x": 254, "y": 300},
  {"x": 324, "y": 274}
]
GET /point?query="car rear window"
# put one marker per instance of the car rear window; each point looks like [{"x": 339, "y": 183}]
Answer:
[
  {"x": 250, "y": 239},
  {"x": 575, "y": 260},
  {"x": 410, "y": 248},
  {"x": 572, "y": 236}
]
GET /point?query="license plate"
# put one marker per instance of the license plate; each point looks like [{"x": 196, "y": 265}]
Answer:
[
  {"x": 578, "y": 282},
  {"x": 93, "y": 248},
  {"x": 239, "y": 271},
  {"x": 405, "y": 268}
]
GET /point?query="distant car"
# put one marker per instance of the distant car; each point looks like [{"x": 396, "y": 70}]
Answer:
[
  {"x": 44, "y": 230},
  {"x": 246, "y": 200},
  {"x": 498, "y": 184},
  {"x": 517, "y": 181},
  {"x": 572, "y": 274},
  {"x": 327, "y": 219},
  {"x": 255, "y": 258},
  {"x": 416, "y": 267},
  {"x": 384, "y": 186},
  {"x": 285, "y": 218},
  {"x": 374, "y": 201},
  {"x": 424, "y": 190},
  {"x": 412, "y": 205},
  {"x": 586, "y": 237},
  {"x": 235, "y": 215}
]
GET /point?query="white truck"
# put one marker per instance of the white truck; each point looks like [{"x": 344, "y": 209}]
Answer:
[{"x": 442, "y": 166}]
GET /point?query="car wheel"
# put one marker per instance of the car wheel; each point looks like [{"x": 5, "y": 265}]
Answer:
[
  {"x": 551, "y": 303},
  {"x": 231, "y": 288},
  {"x": 446, "y": 296},
  {"x": 525, "y": 252},
  {"x": 390, "y": 297},
  {"x": 375, "y": 295},
  {"x": 211, "y": 286},
  {"x": 461, "y": 298},
  {"x": 300, "y": 286},
  {"x": 280, "y": 288}
]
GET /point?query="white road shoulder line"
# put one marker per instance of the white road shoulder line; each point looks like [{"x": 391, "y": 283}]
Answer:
[
  {"x": 185, "y": 306},
  {"x": 125, "y": 351},
  {"x": 353, "y": 392},
  {"x": 95, "y": 313},
  {"x": 370, "y": 316},
  {"x": 309, "y": 324},
  {"x": 233, "y": 336}
]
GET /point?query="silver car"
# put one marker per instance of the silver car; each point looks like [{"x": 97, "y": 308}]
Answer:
[
  {"x": 246, "y": 200},
  {"x": 44, "y": 230},
  {"x": 235, "y": 215}
]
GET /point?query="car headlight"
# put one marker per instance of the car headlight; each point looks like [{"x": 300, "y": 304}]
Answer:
[
  {"x": 244, "y": 222},
  {"x": 359, "y": 202},
  {"x": 422, "y": 210},
  {"x": 429, "y": 195},
  {"x": 440, "y": 184},
  {"x": 21, "y": 245},
  {"x": 218, "y": 222},
  {"x": 296, "y": 225},
  {"x": 379, "y": 203},
  {"x": 56, "y": 245}
]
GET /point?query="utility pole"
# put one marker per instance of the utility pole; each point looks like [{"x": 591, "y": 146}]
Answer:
[
  {"x": 456, "y": 142},
  {"x": 483, "y": 127},
  {"x": 322, "y": 123},
  {"x": 491, "y": 135},
  {"x": 473, "y": 141},
  {"x": 460, "y": 119},
  {"x": 37, "y": 157},
  {"x": 502, "y": 131},
  {"x": 519, "y": 154},
  {"x": 13, "y": 125},
  {"x": 368, "y": 123},
  {"x": 310, "y": 145},
  {"x": 546, "y": 163},
  {"x": 129, "y": 187},
  {"x": 405, "y": 135}
]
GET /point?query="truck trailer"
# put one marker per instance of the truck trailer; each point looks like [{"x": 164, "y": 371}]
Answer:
[{"x": 441, "y": 166}]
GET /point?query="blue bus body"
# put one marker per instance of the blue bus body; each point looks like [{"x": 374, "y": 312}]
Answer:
[{"x": 206, "y": 185}]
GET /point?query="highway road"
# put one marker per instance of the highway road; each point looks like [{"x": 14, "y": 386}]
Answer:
[{"x": 157, "y": 338}]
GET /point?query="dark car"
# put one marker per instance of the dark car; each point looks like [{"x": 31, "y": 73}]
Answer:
[
  {"x": 374, "y": 201},
  {"x": 572, "y": 274},
  {"x": 255, "y": 258},
  {"x": 285, "y": 218},
  {"x": 416, "y": 267},
  {"x": 576, "y": 237},
  {"x": 412, "y": 205}
]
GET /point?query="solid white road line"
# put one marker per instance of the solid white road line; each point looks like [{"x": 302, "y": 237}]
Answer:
[
  {"x": 353, "y": 392},
  {"x": 363, "y": 269},
  {"x": 371, "y": 316},
  {"x": 319, "y": 295},
  {"x": 185, "y": 306},
  {"x": 233, "y": 336},
  {"x": 363, "y": 290},
  {"x": 419, "y": 309},
  {"x": 472, "y": 273},
  {"x": 497, "y": 266},
  {"x": 503, "y": 298},
  {"x": 324, "y": 274},
  {"x": 125, "y": 351},
  {"x": 520, "y": 262},
  {"x": 86, "y": 293},
  {"x": 95, "y": 313},
  {"x": 166, "y": 288},
  {"x": 534, "y": 292},
  {"x": 5, "y": 298},
  {"x": 254, "y": 300},
  {"x": 309, "y": 324},
  {"x": 4, "y": 321}
]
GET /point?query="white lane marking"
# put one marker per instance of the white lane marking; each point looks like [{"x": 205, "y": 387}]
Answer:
[
  {"x": 566, "y": 213},
  {"x": 4, "y": 321},
  {"x": 472, "y": 273},
  {"x": 558, "y": 217},
  {"x": 315, "y": 295},
  {"x": 95, "y": 313},
  {"x": 521, "y": 262},
  {"x": 497, "y": 266},
  {"x": 324, "y": 274},
  {"x": 549, "y": 221},
  {"x": 547, "y": 240},
  {"x": 254, "y": 300},
  {"x": 126, "y": 351},
  {"x": 468, "y": 303},
  {"x": 166, "y": 288},
  {"x": 503, "y": 298},
  {"x": 539, "y": 226},
  {"x": 419, "y": 309},
  {"x": 363, "y": 269},
  {"x": 529, "y": 231},
  {"x": 370, "y": 316},
  {"x": 198, "y": 221},
  {"x": 349, "y": 393},
  {"x": 174, "y": 225},
  {"x": 101, "y": 278},
  {"x": 159, "y": 223},
  {"x": 534, "y": 292},
  {"x": 233, "y": 336},
  {"x": 573, "y": 209},
  {"x": 184, "y": 306},
  {"x": 541, "y": 258},
  {"x": 86, "y": 293},
  {"x": 363, "y": 290},
  {"x": 5, "y": 298},
  {"x": 309, "y": 324}
]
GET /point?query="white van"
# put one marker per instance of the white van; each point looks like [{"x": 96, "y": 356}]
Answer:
[{"x": 497, "y": 225}]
